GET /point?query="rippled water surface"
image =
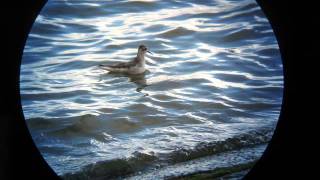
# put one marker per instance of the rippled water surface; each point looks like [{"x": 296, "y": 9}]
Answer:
[{"x": 214, "y": 83}]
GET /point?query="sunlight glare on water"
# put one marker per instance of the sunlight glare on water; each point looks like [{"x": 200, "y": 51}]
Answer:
[{"x": 214, "y": 83}]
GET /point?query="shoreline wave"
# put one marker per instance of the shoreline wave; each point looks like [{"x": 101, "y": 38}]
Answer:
[{"x": 140, "y": 161}]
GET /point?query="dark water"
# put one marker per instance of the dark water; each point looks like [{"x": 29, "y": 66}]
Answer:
[{"x": 214, "y": 85}]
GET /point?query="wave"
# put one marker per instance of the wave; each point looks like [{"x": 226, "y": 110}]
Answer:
[
  {"x": 232, "y": 172},
  {"x": 205, "y": 149},
  {"x": 241, "y": 35},
  {"x": 73, "y": 9},
  {"x": 41, "y": 123},
  {"x": 97, "y": 127},
  {"x": 179, "y": 31},
  {"x": 140, "y": 161},
  {"x": 56, "y": 95},
  {"x": 246, "y": 12},
  {"x": 268, "y": 51}
]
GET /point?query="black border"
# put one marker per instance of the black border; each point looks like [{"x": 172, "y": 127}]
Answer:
[
  {"x": 21, "y": 159},
  {"x": 289, "y": 154},
  {"x": 275, "y": 161}
]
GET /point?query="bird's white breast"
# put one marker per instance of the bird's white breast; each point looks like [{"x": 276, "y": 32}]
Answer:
[{"x": 136, "y": 69}]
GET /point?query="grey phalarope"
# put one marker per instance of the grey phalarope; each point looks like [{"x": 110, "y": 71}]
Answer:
[{"x": 136, "y": 66}]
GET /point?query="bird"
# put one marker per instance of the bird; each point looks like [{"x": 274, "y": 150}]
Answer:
[{"x": 135, "y": 66}]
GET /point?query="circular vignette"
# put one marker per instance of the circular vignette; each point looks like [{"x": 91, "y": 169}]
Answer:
[
  {"x": 275, "y": 161},
  {"x": 280, "y": 48},
  {"x": 21, "y": 157}
]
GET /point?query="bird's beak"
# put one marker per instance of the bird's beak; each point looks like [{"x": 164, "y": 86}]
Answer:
[{"x": 149, "y": 52}]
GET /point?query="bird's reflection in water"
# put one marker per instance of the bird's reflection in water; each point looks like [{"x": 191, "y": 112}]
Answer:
[{"x": 138, "y": 79}]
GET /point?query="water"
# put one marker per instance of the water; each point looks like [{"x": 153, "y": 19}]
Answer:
[{"x": 214, "y": 84}]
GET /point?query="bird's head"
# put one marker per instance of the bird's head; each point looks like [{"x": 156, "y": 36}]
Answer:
[{"x": 143, "y": 50}]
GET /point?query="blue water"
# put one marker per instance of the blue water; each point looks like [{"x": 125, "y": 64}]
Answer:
[{"x": 215, "y": 75}]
